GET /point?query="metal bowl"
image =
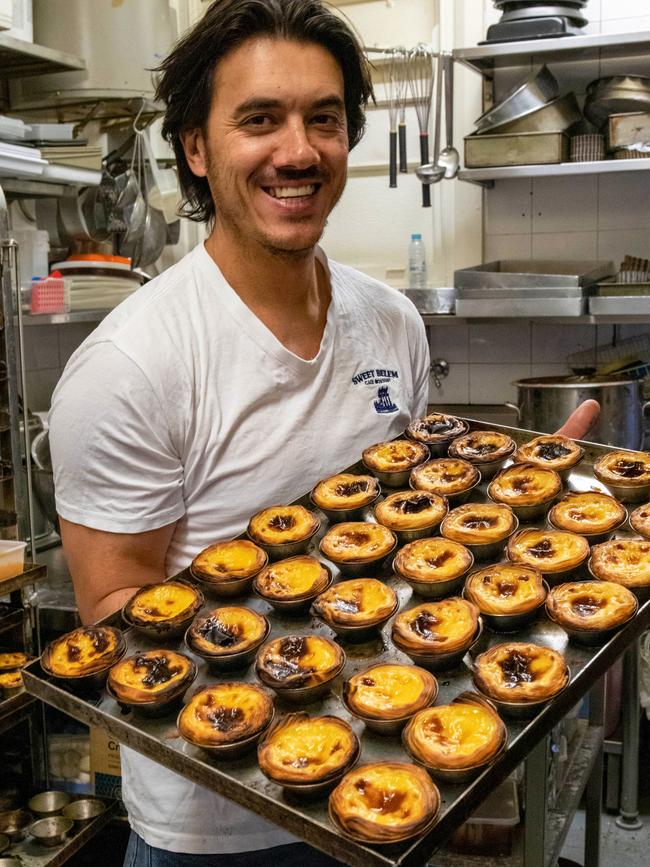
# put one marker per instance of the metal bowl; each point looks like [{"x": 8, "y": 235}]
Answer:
[
  {"x": 617, "y": 94},
  {"x": 299, "y": 604},
  {"x": 164, "y": 630},
  {"x": 362, "y": 568},
  {"x": 224, "y": 589},
  {"x": 48, "y": 803},
  {"x": 510, "y": 622},
  {"x": 534, "y": 93},
  {"x": 386, "y": 727},
  {"x": 51, "y": 831},
  {"x": 442, "y": 661},
  {"x": 83, "y": 811},
  {"x": 436, "y": 589},
  {"x": 161, "y": 707},
  {"x": 227, "y": 752},
  {"x": 14, "y": 824},
  {"x": 357, "y": 633},
  {"x": 218, "y": 662},
  {"x": 287, "y": 549}
]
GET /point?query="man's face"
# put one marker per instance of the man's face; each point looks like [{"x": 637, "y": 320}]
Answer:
[{"x": 275, "y": 147}]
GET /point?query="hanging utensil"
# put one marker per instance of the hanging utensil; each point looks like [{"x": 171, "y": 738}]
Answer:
[
  {"x": 431, "y": 173},
  {"x": 421, "y": 73},
  {"x": 402, "y": 94},
  {"x": 449, "y": 158},
  {"x": 390, "y": 86}
]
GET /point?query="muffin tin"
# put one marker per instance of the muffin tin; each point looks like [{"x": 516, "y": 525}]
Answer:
[{"x": 242, "y": 780}]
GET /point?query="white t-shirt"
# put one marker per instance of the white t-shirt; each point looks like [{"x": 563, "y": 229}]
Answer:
[{"x": 182, "y": 406}]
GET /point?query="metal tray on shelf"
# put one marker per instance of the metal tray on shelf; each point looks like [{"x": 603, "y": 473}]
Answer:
[{"x": 243, "y": 782}]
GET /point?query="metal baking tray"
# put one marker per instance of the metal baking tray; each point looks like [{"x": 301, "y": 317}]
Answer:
[
  {"x": 441, "y": 300},
  {"x": 531, "y": 275},
  {"x": 629, "y": 129},
  {"x": 625, "y": 305},
  {"x": 519, "y": 307},
  {"x": 243, "y": 782},
  {"x": 516, "y": 149}
]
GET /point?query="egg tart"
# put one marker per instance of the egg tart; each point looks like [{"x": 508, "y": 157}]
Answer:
[
  {"x": 589, "y": 513},
  {"x": 520, "y": 673},
  {"x": 486, "y": 449},
  {"x": 291, "y": 584},
  {"x": 356, "y": 546},
  {"x": 10, "y": 660},
  {"x": 411, "y": 514},
  {"x": 455, "y": 741},
  {"x": 623, "y": 561},
  {"x": 452, "y": 478},
  {"x": 483, "y": 527},
  {"x": 393, "y": 461},
  {"x": 442, "y": 626},
  {"x": 283, "y": 530},
  {"x": 591, "y": 608},
  {"x": 11, "y": 682},
  {"x": 299, "y": 666},
  {"x": 626, "y": 474},
  {"x": 433, "y": 567},
  {"x": 228, "y": 568},
  {"x": 303, "y": 751},
  {"x": 163, "y": 610},
  {"x": 226, "y": 718},
  {"x": 640, "y": 520},
  {"x": 555, "y": 553},
  {"x": 344, "y": 496},
  {"x": 507, "y": 594},
  {"x": 227, "y": 637},
  {"x": 84, "y": 655},
  {"x": 384, "y": 802},
  {"x": 552, "y": 451},
  {"x": 389, "y": 693},
  {"x": 151, "y": 680},
  {"x": 437, "y": 430},
  {"x": 356, "y": 606},
  {"x": 527, "y": 488}
]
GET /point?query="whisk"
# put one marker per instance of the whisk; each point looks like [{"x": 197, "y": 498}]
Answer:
[
  {"x": 392, "y": 90},
  {"x": 401, "y": 72},
  {"x": 421, "y": 75}
]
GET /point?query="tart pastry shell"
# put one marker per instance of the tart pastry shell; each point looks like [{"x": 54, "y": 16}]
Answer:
[
  {"x": 163, "y": 610},
  {"x": 357, "y": 542},
  {"x": 591, "y": 605},
  {"x": 345, "y": 491},
  {"x": 411, "y": 510},
  {"x": 588, "y": 514},
  {"x": 640, "y": 520},
  {"x": 518, "y": 672},
  {"x": 86, "y": 651},
  {"x": 227, "y": 631},
  {"x": 152, "y": 677},
  {"x": 281, "y": 525},
  {"x": 525, "y": 485},
  {"x": 448, "y": 477},
  {"x": 553, "y": 451},
  {"x": 506, "y": 589},
  {"x": 552, "y": 552},
  {"x": 295, "y": 579},
  {"x": 623, "y": 561},
  {"x": 237, "y": 559}
]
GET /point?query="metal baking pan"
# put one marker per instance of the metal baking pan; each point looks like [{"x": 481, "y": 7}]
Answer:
[
  {"x": 520, "y": 307},
  {"x": 621, "y": 289},
  {"x": 625, "y": 305},
  {"x": 516, "y": 149},
  {"x": 532, "y": 274},
  {"x": 242, "y": 781},
  {"x": 539, "y": 88},
  {"x": 555, "y": 116},
  {"x": 617, "y": 94},
  {"x": 626, "y": 130}
]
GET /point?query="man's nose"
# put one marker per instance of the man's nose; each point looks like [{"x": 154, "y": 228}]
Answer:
[{"x": 295, "y": 148}]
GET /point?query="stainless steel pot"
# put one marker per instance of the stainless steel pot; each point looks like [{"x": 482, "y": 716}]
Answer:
[{"x": 544, "y": 405}]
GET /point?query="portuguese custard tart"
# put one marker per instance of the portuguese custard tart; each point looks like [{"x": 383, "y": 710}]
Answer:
[
  {"x": 393, "y": 461},
  {"x": 407, "y": 511},
  {"x": 10, "y": 682},
  {"x": 357, "y": 543},
  {"x": 345, "y": 492},
  {"x": 301, "y": 750},
  {"x": 526, "y": 488},
  {"x": 591, "y": 605},
  {"x": 461, "y": 736},
  {"x": 589, "y": 514},
  {"x": 10, "y": 660},
  {"x": 552, "y": 451},
  {"x": 224, "y": 633},
  {"x": 227, "y": 568},
  {"x": 517, "y": 672},
  {"x": 506, "y": 589},
  {"x": 626, "y": 474},
  {"x": 295, "y": 663},
  {"x": 84, "y": 652},
  {"x": 623, "y": 561},
  {"x": 225, "y": 716},
  {"x": 437, "y": 430},
  {"x": 357, "y": 603},
  {"x": 433, "y": 566},
  {"x": 384, "y": 802},
  {"x": 151, "y": 678},
  {"x": 294, "y": 580},
  {"x": 439, "y": 627},
  {"x": 554, "y": 552},
  {"x": 449, "y": 477},
  {"x": 164, "y": 609},
  {"x": 279, "y": 528},
  {"x": 485, "y": 448},
  {"x": 483, "y": 527},
  {"x": 389, "y": 692},
  {"x": 640, "y": 520}
]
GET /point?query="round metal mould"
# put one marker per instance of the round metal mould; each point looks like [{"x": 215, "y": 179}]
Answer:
[
  {"x": 14, "y": 824},
  {"x": 488, "y": 550},
  {"x": 287, "y": 549},
  {"x": 10, "y": 691},
  {"x": 628, "y": 493},
  {"x": 489, "y": 469},
  {"x": 361, "y": 632},
  {"x": 439, "y": 448},
  {"x": 224, "y": 589},
  {"x": 227, "y": 752},
  {"x": 159, "y": 708},
  {"x": 83, "y": 811},
  {"x": 48, "y": 803},
  {"x": 523, "y": 709},
  {"x": 442, "y": 661},
  {"x": 641, "y": 592},
  {"x": 593, "y": 538},
  {"x": 163, "y": 631},
  {"x": 313, "y": 791},
  {"x": 51, "y": 831},
  {"x": 305, "y": 694},
  {"x": 592, "y": 637},
  {"x": 338, "y": 516},
  {"x": 381, "y": 843},
  {"x": 436, "y": 589},
  {"x": 455, "y": 499},
  {"x": 528, "y": 514},
  {"x": 386, "y": 727},
  {"x": 361, "y": 568},
  {"x": 218, "y": 662},
  {"x": 394, "y": 478},
  {"x": 510, "y": 622},
  {"x": 411, "y": 535},
  {"x": 299, "y": 604}
]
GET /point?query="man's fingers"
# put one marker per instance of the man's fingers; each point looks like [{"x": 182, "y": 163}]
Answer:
[{"x": 581, "y": 421}]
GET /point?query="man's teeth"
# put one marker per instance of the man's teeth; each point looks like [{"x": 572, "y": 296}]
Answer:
[{"x": 291, "y": 192}]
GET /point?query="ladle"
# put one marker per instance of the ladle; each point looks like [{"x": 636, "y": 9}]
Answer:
[
  {"x": 449, "y": 158},
  {"x": 431, "y": 173}
]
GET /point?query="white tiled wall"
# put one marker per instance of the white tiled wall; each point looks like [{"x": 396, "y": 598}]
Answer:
[{"x": 47, "y": 349}]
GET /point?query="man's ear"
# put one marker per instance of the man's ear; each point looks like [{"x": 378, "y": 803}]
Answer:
[{"x": 195, "y": 148}]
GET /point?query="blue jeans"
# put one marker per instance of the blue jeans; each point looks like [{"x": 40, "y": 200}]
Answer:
[{"x": 140, "y": 854}]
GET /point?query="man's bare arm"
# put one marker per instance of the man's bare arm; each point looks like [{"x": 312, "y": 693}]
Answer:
[{"x": 107, "y": 568}]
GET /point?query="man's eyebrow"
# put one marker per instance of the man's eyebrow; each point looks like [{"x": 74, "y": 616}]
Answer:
[{"x": 257, "y": 104}]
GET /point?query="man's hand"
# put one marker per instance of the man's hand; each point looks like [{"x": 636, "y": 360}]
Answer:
[{"x": 581, "y": 420}]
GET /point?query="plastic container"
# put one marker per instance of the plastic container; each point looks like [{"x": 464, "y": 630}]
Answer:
[
  {"x": 12, "y": 558},
  {"x": 490, "y": 830},
  {"x": 417, "y": 264},
  {"x": 33, "y": 253}
]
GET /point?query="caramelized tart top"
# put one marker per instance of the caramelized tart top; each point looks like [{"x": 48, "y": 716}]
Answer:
[
  {"x": 225, "y": 713},
  {"x": 388, "y": 691},
  {"x": 229, "y": 561},
  {"x": 83, "y": 651},
  {"x": 395, "y": 456},
  {"x": 520, "y": 672}
]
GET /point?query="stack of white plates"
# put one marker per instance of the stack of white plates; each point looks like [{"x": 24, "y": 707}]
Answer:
[{"x": 99, "y": 293}]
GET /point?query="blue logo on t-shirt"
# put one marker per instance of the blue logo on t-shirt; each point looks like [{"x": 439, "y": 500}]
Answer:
[
  {"x": 379, "y": 377},
  {"x": 384, "y": 402}
]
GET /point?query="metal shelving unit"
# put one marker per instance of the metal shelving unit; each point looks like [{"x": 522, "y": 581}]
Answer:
[
  {"x": 20, "y": 59},
  {"x": 487, "y": 176},
  {"x": 450, "y": 319}
]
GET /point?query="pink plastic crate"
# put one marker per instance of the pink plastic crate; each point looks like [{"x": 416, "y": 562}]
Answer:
[{"x": 51, "y": 295}]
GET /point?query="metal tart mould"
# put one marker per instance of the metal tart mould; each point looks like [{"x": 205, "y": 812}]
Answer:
[
  {"x": 84, "y": 810},
  {"x": 338, "y": 516},
  {"x": 628, "y": 493},
  {"x": 14, "y": 824},
  {"x": 361, "y": 568},
  {"x": 576, "y": 572},
  {"x": 51, "y": 831},
  {"x": 48, "y": 803},
  {"x": 489, "y": 469},
  {"x": 283, "y": 550},
  {"x": 218, "y": 662},
  {"x": 173, "y": 628},
  {"x": 386, "y": 727},
  {"x": 528, "y": 514},
  {"x": 224, "y": 589},
  {"x": 86, "y": 682},
  {"x": 303, "y": 694},
  {"x": 592, "y": 538},
  {"x": 591, "y": 637},
  {"x": 436, "y": 589},
  {"x": 392, "y": 478},
  {"x": 373, "y": 840},
  {"x": 297, "y": 604},
  {"x": 642, "y": 591},
  {"x": 454, "y": 499},
  {"x": 159, "y": 707},
  {"x": 488, "y": 550},
  {"x": 361, "y": 632},
  {"x": 411, "y": 535},
  {"x": 227, "y": 752},
  {"x": 442, "y": 661},
  {"x": 523, "y": 709},
  {"x": 510, "y": 622}
]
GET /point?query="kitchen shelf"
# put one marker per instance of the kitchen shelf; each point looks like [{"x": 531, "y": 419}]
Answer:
[
  {"x": 75, "y": 317},
  {"x": 487, "y": 176},
  {"x": 449, "y": 319},
  {"x": 486, "y": 58},
  {"x": 32, "y": 573},
  {"x": 15, "y": 709},
  {"x": 20, "y": 59}
]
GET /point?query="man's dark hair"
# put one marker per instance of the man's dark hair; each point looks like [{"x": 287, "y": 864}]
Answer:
[{"x": 187, "y": 74}]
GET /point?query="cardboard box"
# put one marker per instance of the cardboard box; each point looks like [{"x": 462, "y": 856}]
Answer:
[{"x": 105, "y": 769}]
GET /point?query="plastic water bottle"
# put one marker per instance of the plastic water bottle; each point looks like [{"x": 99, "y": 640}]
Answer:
[{"x": 417, "y": 263}]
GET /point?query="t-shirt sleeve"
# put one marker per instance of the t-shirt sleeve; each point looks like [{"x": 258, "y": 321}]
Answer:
[
  {"x": 115, "y": 450},
  {"x": 420, "y": 361}
]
